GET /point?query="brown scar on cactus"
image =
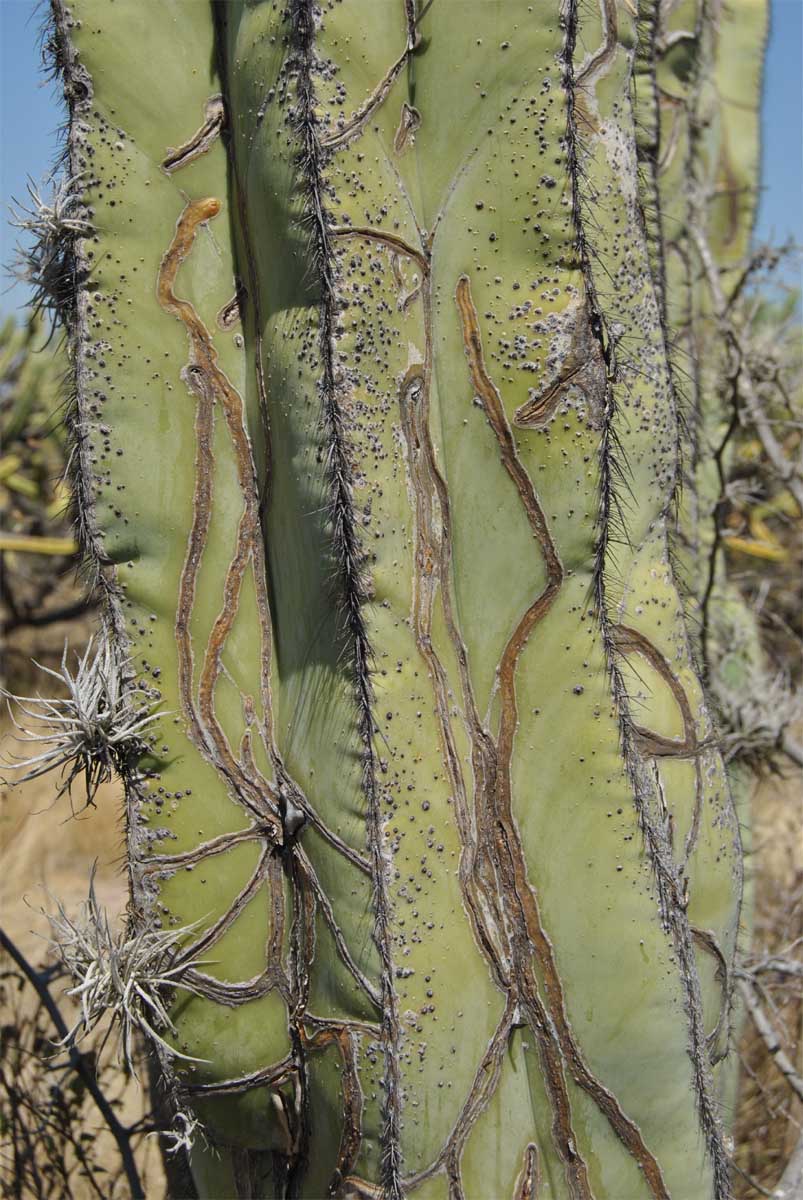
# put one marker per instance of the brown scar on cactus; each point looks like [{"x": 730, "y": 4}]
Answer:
[
  {"x": 529, "y": 1180},
  {"x": 352, "y": 126},
  {"x": 406, "y": 297},
  {"x": 210, "y": 386},
  {"x": 231, "y": 313},
  {"x": 718, "y": 1046},
  {"x": 629, "y": 641},
  {"x": 409, "y": 122},
  {"x": 201, "y": 140},
  {"x": 581, "y": 365}
]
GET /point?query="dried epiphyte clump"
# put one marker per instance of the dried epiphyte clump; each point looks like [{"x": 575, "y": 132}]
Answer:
[
  {"x": 755, "y": 718},
  {"x": 93, "y": 731},
  {"x": 126, "y": 977},
  {"x": 45, "y": 259},
  {"x": 182, "y": 1137}
]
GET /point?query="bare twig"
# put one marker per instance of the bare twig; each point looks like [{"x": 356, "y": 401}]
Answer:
[
  {"x": 790, "y": 1185},
  {"x": 79, "y": 1063},
  {"x": 787, "y": 471},
  {"x": 792, "y": 750},
  {"x": 768, "y": 1035}
]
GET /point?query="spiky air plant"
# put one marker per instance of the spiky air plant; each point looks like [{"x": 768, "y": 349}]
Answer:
[
  {"x": 376, "y": 450},
  {"x": 49, "y": 225},
  {"x": 120, "y": 978},
  {"x": 94, "y": 733}
]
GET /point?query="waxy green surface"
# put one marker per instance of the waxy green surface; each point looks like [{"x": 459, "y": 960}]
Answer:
[{"x": 543, "y": 1031}]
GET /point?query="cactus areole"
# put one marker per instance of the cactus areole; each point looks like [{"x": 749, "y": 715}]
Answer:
[{"x": 376, "y": 452}]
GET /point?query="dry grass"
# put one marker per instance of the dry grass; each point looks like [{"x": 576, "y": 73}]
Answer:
[{"x": 769, "y": 1116}]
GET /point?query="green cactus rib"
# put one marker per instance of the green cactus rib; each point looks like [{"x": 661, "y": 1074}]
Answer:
[
  {"x": 701, "y": 158},
  {"x": 348, "y": 554},
  {"x": 373, "y": 313},
  {"x": 669, "y": 873}
]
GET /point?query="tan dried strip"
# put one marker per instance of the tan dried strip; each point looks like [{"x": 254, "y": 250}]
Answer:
[
  {"x": 229, "y": 315},
  {"x": 431, "y": 559},
  {"x": 277, "y": 909},
  {"x": 255, "y": 788},
  {"x": 233, "y": 995},
  {"x": 384, "y": 238},
  {"x": 203, "y": 387},
  {"x": 202, "y": 140},
  {"x": 336, "y": 842},
  {"x": 479, "y": 873},
  {"x": 707, "y": 941},
  {"x": 160, "y": 864},
  {"x": 228, "y": 918},
  {"x": 302, "y": 938},
  {"x": 324, "y": 903},
  {"x": 405, "y": 299},
  {"x": 355, "y": 1188},
  {"x": 351, "y": 1094},
  {"x": 199, "y": 531},
  {"x": 249, "y": 548},
  {"x": 409, "y": 122},
  {"x": 535, "y": 413},
  {"x": 508, "y": 842},
  {"x": 603, "y": 56},
  {"x": 411, "y": 21},
  {"x": 289, "y": 787},
  {"x": 482, "y": 1091},
  {"x": 367, "y": 1028},
  {"x": 483, "y": 1087},
  {"x": 628, "y": 641},
  {"x": 344, "y": 133},
  {"x": 479, "y": 869},
  {"x": 211, "y": 384},
  {"x": 272, "y": 1076},
  {"x": 248, "y": 478},
  {"x": 529, "y": 1178},
  {"x": 246, "y": 758}
]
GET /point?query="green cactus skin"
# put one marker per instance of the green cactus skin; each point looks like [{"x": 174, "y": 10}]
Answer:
[{"x": 435, "y": 775}]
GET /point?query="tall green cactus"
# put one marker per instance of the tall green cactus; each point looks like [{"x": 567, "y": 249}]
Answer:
[{"x": 376, "y": 445}]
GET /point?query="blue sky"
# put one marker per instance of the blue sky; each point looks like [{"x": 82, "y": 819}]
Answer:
[{"x": 30, "y": 115}]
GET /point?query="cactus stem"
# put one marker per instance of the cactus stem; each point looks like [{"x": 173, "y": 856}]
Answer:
[
  {"x": 348, "y": 555},
  {"x": 668, "y": 875}
]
